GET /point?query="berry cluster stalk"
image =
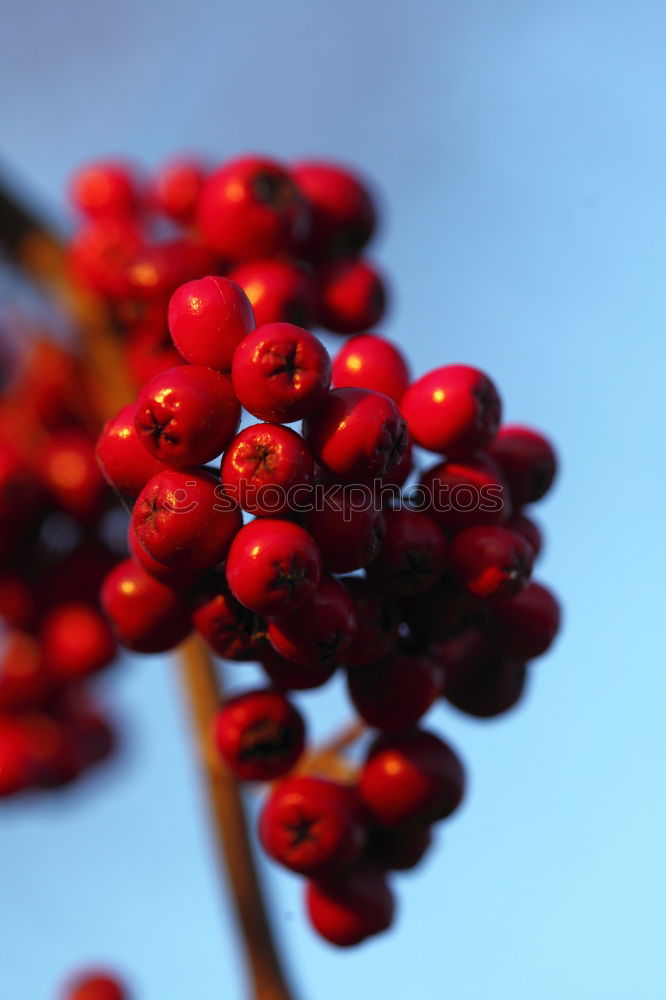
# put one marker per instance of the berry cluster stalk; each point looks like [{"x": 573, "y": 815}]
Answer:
[{"x": 38, "y": 253}]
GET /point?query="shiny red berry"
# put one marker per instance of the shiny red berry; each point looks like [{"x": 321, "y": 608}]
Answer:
[
  {"x": 273, "y": 566},
  {"x": 490, "y": 561},
  {"x": 281, "y": 291},
  {"x": 351, "y": 296},
  {"x": 357, "y": 435},
  {"x": 288, "y": 676},
  {"x": 398, "y": 850},
  {"x": 412, "y": 777},
  {"x": 70, "y": 473},
  {"x": 378, "y": 623},
  {"x": 320, "y": 631},
  {"x": 149, "y": 351},
  {"x": 260, "y": 735},
  {"x": 268, "y": 468},
  {"x": 526, "y": 625},
  {"x": 460, "y": 494},
  {"x": 527, "y": 460},
  {"x": 490, "y": 684},
  {"x": 348, "y": 528},
  {"x": 454, "y": 410},
  {"x": 76, "y": 642},
  {"x": 281, "y": 372},
  {"x": 368, "y": 361},
  {"x": 187, "y": 415},
  {"x": 342, "y": 214},
  {"x": 528, "y": 528},
  {"x": 176, "y": 189},
  {"x": 346, "y": 911},
  {"x": 182, "y": 519},
  {"x": 231, "y": 631},
  {"x": 24, "y": 681},
  {"x": 121, "y": 456},
  {"x": 181, "y": 580},
  {"x": 105, "y": 189},
  {"x": 146, "y": 615},
  {"x": 312, "y": 826},
  {"x": 16, "y": 770},
  {"x": 208, "y": 318},
  {"x": 413, "y": 554},
  {"x": 250, "y": 207},
  {"x": 395, "y": 693},
  {"x": 96, "y": 986}
]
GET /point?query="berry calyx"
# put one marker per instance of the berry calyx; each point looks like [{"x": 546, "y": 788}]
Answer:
[{"x": 260, "y": 735}]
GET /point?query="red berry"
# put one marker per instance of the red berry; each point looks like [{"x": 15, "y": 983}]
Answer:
[
  {"x": 413, "y": 554},
  {"x": 342, "y": 215},
  {"x": 100, "y": 253},
  {"x": 371, "y": 362},
  {"x": 267, "y": 468},
  {"x": 454, "y": 410},
  {"x": 208, "y": 318},
  {"x": 17, "y": 604},
  {"x": 55, "y": 757},
  {"x": 526, "y": 625},
  {"x": 183, "y": 520},
  {"x": 16, "y": 772},
  {"x": 529, "y": 529},
  {"x": 186, "y": 416},
  {"x": 148, "y": 352},
  {"x": 232, "y": 631},
  {"x": 96, "y": 986},
  {"x": 357, "y": 435},
  {"x": 281, "y": 291},
  {"x": 281, "y": 372},
  {"x": 24, "y": 683},
  {"x": 121, "y": 456},
  {"x": 155, "y": 271},
  {"x": 458, "y": 655},
  {"x": 249, "y": 208},
  {"x": 146, "y": 615},
  {"x": 378, "y": 623},
  {"x": 347, "y": 911},
  {"x": 488, "y": 685},
  {"x": 398, "y": 850},
  {"x": 491, "y": 561},
  {"x": 460, "y": 494},
  {"x": 351, "y": 296},
  {"x": 413, "y": 777},
  {"x": 179, "y": 579},
  {"x": 348, "y": 529},
  {"x": 320, "y": 631},
  {"x": 71, "y": 474},
  {"x": 273, "y": 567},
  {"x": 289, "y": 676},
  {"x": 76, "y": 642},
  {"x": 176, "y": 189},
  {"x": 105, "y": 189},
  {"x": 441, "y": 613},
  {"x": 260, "y": 735},
  {"x": 312, "y": 826},
  {"x": 527, "y": 460},
  {"x": 395, "y": 693}
]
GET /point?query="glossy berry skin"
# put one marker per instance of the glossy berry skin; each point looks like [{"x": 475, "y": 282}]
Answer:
[
  {"x": 490, "y": 685},
  {"x": 529, "y": 529},
  {"x": 412, "y": 777},
  {"x": 187, "y": 415},
  {"x": 490, "y": 561},
  {"x": 231, "y": 631},
  {"x": 281, "y": 372},
  {"x": 182, "y": 519},
  {"x": 260, "y": 735},
  {"x": 378, "y": 623},
  {"x": 527, "y": 461},
  {"x": 176, "y": 189},
  {"x": 395, "y": 693},
  {"x": 349, "y": 910},
  {"x": 76, "y": 642},
  {"x": 413, "y": 554},
  {"x": 398, "y": 850},
  {"x": 104, "y": 189},
  {"x": 351, "y": 296},
  {"x": 70, "y": 472},
  {"x": 208, "y": 318},
  {"x": 460, "y": 494},
  {"x": 181, "y": 580},
  {"x": 348, "y": 530},
  {"x": 124, "y": 461},
  {"x": 250, "y": 208},
  {"x": 97, "y": 986},
  {"x": 320, "y": 631},
  {"x": 280, "y": 290},
  {"x": 146, "y": 615},
  {"x": 368, "y": 361},
  {"x": 312, "y": 826},
  {"x": 273, "y": 567},
  {"x": 356, "y": 435},
  {"x": 453, "y": 410},
  {"x": 342, "y": 214},
  {"x": 288, "y": 676},
  {"x": 263, "y": 464},
  {"x": 526, "y": 625}
]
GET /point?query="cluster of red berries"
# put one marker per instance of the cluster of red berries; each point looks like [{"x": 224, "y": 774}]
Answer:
[
  {"x": 53, "y": 557},
  {"x": 415, "y": 592},
  {"x": 96, "y": 985}
]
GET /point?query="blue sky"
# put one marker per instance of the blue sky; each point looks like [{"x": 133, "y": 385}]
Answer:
[{"x": 521, "y": 153}]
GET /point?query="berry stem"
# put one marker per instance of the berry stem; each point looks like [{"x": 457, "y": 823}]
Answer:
[{"x": 39, "y": 253}]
